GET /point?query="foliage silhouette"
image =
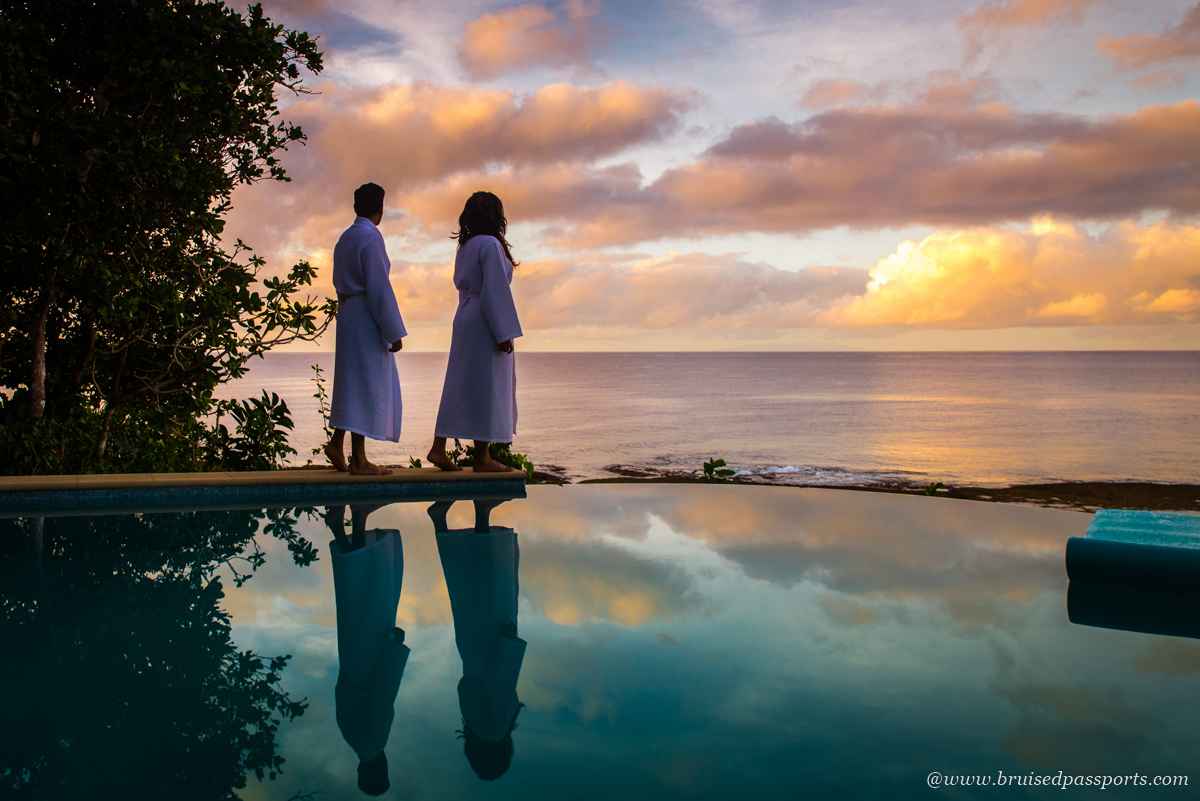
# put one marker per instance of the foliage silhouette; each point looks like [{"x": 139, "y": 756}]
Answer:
[{"x": 127, "y": 125}]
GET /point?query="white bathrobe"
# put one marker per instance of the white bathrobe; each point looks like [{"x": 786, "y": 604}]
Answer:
[
  {"x": 481, "y": 578},
  {"x": 366, "y": 386},
  {"x": 366, "y": 589},
  {"x": 479, "y": 398}
]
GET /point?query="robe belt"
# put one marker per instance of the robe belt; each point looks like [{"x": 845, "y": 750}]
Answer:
[{"x": 463, "y": 294}]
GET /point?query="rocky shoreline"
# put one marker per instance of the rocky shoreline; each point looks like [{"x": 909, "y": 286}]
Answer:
[{"x": 1081, "y": 495}]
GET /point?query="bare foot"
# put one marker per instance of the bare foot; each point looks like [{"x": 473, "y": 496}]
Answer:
[
  {"x": 336, "y": 458},
  {"x": 368, "y": 469},
  {"x": 441, "y": 460},
  {"x": 492, "y": 466}
]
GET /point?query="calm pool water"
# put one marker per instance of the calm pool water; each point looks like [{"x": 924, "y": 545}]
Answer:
[{"x": 598, "y": 641}]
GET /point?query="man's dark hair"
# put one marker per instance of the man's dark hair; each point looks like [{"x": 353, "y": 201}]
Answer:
[{"x": 368, "y": 200}]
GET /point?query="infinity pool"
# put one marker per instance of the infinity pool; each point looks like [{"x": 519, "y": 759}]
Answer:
[{"x": 599, "y": 641}]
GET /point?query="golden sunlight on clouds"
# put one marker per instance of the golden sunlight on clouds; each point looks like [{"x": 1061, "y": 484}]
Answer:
[
  {"x": 1049, "y": 274},
  {"x": 528, "y": 35}
]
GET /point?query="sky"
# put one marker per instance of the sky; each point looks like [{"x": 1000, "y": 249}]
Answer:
[{"x": 764, "y": 175}]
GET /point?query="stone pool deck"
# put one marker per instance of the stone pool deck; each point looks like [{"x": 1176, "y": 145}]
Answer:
[{"x": 89, "y": 494}]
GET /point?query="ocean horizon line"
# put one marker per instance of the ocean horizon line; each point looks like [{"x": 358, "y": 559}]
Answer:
[{"x": 774, "y": 352}]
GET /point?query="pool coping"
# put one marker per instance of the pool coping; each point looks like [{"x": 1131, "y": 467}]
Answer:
[{"x": 31, "y": 496}]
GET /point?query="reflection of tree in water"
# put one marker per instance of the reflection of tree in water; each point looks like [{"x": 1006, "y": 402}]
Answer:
[{"x": 120, "y": 676}]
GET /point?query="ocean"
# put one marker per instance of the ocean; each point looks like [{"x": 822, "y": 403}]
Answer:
[{"x": 987, "y": 419}]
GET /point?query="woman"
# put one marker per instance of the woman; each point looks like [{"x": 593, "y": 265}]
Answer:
[{"x": 479, "y": 399}]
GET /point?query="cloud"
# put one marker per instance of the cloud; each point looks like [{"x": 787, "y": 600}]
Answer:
[
  {"x": 930, "y": 163},
  {"x": 419, "y": 132},
  {"x": 1138, "y": 51},
  {"x": 943, "y": 158},
  {"x": 994, "y": 20},
  {"x": 994, "y": 16},
  {"x": 431, "y": 145},
  {"x": 686, "y": 291},
  {"x": 834, "y": 91},
  {"x": 939, "y": 88},
  {"x": 528, "y": 35},
  {"x": 1049, "y": 274},
  {"x": 693, "y": 290}
]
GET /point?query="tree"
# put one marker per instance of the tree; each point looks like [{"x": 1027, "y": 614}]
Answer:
[{"x": 127, "y": 124}]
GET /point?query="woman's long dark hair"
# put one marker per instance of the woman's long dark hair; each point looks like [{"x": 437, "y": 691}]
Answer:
[
  {"x": 490, "y": 759},
  {"x": 483, "y": 214}
]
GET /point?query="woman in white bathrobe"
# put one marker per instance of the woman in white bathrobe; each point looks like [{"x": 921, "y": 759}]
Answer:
[{"x": 479, "y": 400}]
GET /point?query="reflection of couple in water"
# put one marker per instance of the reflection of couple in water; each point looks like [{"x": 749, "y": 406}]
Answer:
[{"x": 480, "y": 566}]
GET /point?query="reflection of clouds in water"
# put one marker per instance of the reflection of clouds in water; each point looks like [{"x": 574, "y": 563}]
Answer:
[
  {"x": 576, "y": 583},
  {"x": 897, "y": 548},
  {"x": 573, "y": 513},
  {"x": 571, "y": 677},
  {"x": 633, "y": 559},
  {"x": 1169, "y": 656},
  {"x": 862, "y": 545},
  {"x": 1090, "y": 729},
  {"x": 713, "y": 639}
]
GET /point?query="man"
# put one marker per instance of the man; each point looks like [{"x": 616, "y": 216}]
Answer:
[{"x": 366, "y": 386}]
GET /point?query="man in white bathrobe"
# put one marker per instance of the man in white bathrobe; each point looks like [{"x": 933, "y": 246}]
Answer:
[{"x": 366, "y": 386}]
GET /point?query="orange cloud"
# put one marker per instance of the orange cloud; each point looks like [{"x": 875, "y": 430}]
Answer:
[
  {"x": 882, "y": 166},
  {"x": 688, "y": 291},
  {"x": 835, "y": 91},
  {"x": 430, "y": 146},
  {"x": 528, "y": 35},
  {"x": 937, "y": 88},
  {"x": 1024, "y": 13},
  {"x": 694, "y": 290},
  {"x": 942, "y": 158},
  {"x": 1050, "y": 274},
  {"x": 1138, "y": 51},
  {"x": 993, "y": 20},
  {"x": 419, "y": 132}
]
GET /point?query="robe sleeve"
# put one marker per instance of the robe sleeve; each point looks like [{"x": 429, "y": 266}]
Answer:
[
  {"x": 381, "y": 300},
  {"x": 496, "y": 295}
]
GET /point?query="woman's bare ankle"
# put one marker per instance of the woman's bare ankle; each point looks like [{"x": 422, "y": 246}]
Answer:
[{"x": 438, "y": 458}]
